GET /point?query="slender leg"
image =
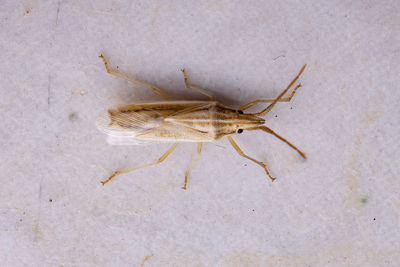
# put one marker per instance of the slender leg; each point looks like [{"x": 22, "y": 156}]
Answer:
[
  {"x": 287, "y": 99},
  {"x": 161, "y": 159},
  {"x": 267, "y": 109},
  {"x": 237, "y": 148},
  {"x": 199, "y": 146},
  {"x": 154, "y": 89},
  {"x": 199, "y": 90},
  {"x": 268, "y": 130}
]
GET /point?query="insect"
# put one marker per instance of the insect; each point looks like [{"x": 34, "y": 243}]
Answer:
[{"x": 184, "y": 121}]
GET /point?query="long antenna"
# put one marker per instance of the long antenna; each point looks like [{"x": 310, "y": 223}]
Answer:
[
  {"x": 267, "y": 109},
  {"x": 268, "y": 130}
]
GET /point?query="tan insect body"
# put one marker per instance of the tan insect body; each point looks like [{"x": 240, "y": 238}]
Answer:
[
  {"x": 176, "y": 121},
  {"x": 183, "y": 121}
]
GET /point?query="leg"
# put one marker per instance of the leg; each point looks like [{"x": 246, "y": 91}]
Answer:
[
  {"x": 154, "y": 89},
  {"x": 237, "y": 148},
  {"x": 199, "y": 146},
  {"x": 268, "y": 130},
  {"x": 287, "y": 99},
  {"x": 201, "y": 91},
  {"x": 161, "y": 159},
  {"x": 267, "y": 109}
]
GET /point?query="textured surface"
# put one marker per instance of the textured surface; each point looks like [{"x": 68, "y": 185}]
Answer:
[{"x": 340, "y": 207}]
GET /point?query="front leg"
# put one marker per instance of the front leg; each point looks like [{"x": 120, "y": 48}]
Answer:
[
  {"x": 278, "y": 99},
  {"x": 286, "y": 99},
  {"x": 241, "y": 153}
]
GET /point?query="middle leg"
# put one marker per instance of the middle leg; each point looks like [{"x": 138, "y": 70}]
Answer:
[
  {"x": 199, "y": 146},
  {"x": 199, "y": 90}
]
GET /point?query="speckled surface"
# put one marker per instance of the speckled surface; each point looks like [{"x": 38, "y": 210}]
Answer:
[{"x": 340, "y": 207}]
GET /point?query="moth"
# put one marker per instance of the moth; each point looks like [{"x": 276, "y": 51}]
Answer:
[{"x": 185, "y": 121}]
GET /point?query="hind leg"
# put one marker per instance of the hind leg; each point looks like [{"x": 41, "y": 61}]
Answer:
[{"x": 113, "y": 72}]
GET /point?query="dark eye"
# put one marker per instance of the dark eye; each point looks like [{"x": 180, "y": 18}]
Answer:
[
  {"x": 240, "y": 112},
  {"x": 240, "y": 131}
]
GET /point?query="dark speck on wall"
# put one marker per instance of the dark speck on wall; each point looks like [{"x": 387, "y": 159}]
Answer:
[
  {"x": 73, "y": 116},
  {"x": 364, "y": 200}
]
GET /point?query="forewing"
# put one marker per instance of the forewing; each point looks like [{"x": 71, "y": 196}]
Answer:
[
  {"x": 123, "y": 127},
  {"x": 142, "y": 123}
]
